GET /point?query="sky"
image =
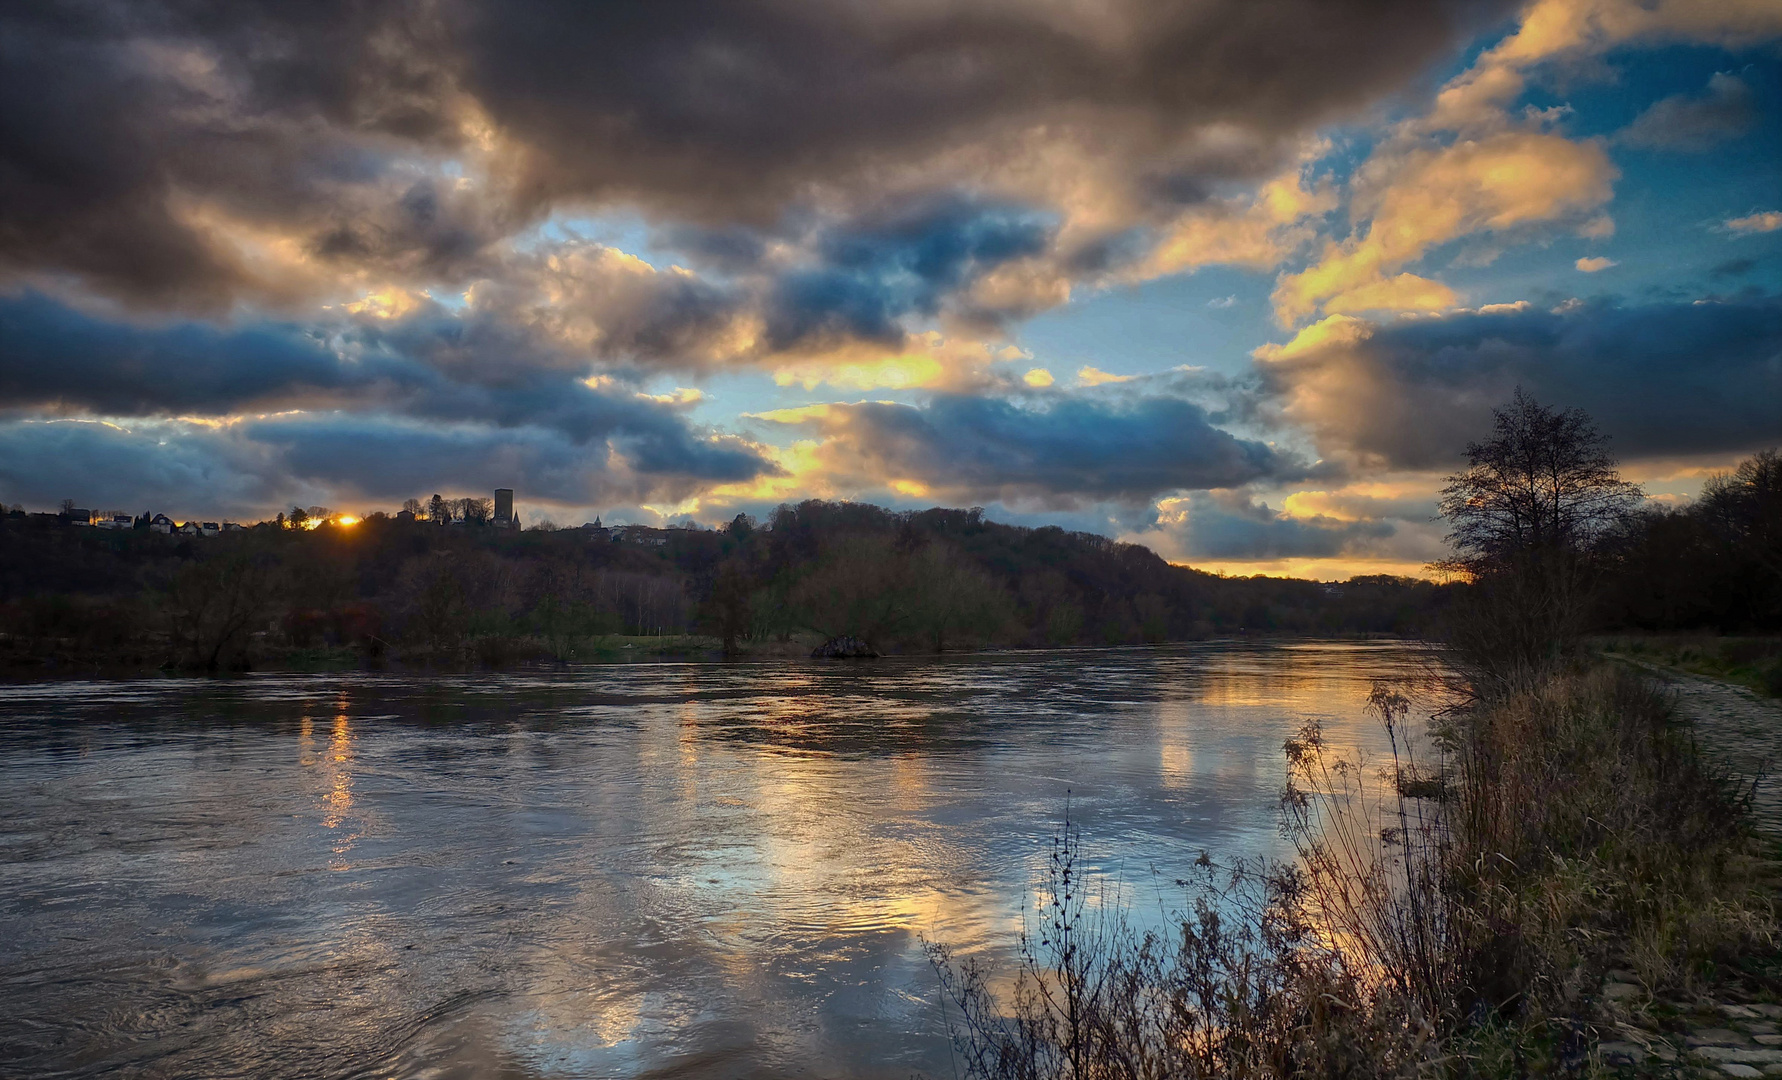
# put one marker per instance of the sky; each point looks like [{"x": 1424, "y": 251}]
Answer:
[{"x": 1235, "y": 280}]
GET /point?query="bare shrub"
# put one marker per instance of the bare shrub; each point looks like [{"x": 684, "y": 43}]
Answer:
[{"x": 1454, "y": 917}]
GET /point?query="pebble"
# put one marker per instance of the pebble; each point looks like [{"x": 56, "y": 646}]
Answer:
[
  {"x": 1716, "y": 1037},
  {"x": 1768, "y": 1040},
  {"x": 1743, "y": 1057},
  {"x": 1622, "y": 1053},
  {"x": 1733, "y": 1068},
  {"x": 1619, "y": 991},
  {"x": 1773, "y": 1012},
  {"x": 1737, "y": 1012}
]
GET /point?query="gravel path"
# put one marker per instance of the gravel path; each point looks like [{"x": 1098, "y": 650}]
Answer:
[
  {"x": 1741, "y": 732},
  {"x": 1738, "y": 730}
]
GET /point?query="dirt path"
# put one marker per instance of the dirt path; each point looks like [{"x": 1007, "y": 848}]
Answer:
[{"x": 1738, "y": 730}]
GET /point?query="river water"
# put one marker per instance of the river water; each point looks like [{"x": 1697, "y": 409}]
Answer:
[{"x": 614, "y": 871}]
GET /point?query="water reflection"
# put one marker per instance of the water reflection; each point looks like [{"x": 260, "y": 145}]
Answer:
[{"x": 711, "y": 870}]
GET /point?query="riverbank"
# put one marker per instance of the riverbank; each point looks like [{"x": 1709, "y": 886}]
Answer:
[{"x": 1571, "y": 876}]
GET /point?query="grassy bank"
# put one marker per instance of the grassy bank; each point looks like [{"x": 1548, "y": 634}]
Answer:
[
  {"x": 1752, "y": 662},
  {"x": 1455, "y": 916}
]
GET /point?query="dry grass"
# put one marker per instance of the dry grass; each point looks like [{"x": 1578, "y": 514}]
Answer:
[{"x": 1446, "y": 917}]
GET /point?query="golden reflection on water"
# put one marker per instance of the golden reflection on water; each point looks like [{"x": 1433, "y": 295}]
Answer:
[
  {"x": 336, "y": 766},
  {"x": 339, "y": 800},
  {"x": 1175, "y": 750}
]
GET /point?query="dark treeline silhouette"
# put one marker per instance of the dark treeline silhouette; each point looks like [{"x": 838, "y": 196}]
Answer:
[
  {"x": 1549, "y": 545},
  {"x": 1554, "y": 546},
  {"x": 1714, "y": 564},
  {"x": 935, "y": 580}
]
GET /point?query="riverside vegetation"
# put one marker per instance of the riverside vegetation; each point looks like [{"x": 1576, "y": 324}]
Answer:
[
  {"x": 385, "y": 589},
  {"x": 1550, "y": 881}
]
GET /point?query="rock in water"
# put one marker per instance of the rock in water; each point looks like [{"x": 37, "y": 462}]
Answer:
[{"x": 844, "y": 648}]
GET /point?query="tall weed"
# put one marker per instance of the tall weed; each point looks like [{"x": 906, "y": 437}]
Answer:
[{"x": 1450, "y": 913}]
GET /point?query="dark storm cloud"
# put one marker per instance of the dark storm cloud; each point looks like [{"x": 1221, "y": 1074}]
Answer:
[
  {"x": 130, "y": 133},
  {"x": 1216, "y": 527},
  {"x": 52, "y": 355},
  {"x": 155, "y": 466},
  {"x": 1076, "y": 448},
  {"x": 1660, "y": 379},
  {"x": 1693, "y": 122},
  {"x": 429, "y": 366},
  {"x": 157, "y": 151},
  {"x": 381, "y": 458},
  {"x": 718, "y": 108},
  {"x": 873, "y": 275},
  {"x": 392, "y": 459},
  {"x": 249, "y": 468}
]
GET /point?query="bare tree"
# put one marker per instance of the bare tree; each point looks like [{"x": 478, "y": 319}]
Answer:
[
  {"x": 1528, "y": 514},
  {"x": 212, "y": 606},
  {"x": 1745, "y": 509},
  {"x": 1544, "y": 482},
  {"x": 954, "y": 599},
  {"x": 859, "y": 589},
  {"x": 475, "y": 511}
]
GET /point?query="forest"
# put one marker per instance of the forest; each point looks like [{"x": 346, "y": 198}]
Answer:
[
  {"x": 450, "y": 588},
  {"x": 425, "y": 591}
]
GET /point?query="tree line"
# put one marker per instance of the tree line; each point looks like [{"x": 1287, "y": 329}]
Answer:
[{"x": 929, "y": 581}]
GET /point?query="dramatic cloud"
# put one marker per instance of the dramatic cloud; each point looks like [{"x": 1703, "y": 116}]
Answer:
[
  {"x": 872, "y": 275},
  {"x": 193, "y": 156},
  {"x": 1691, "y": 122},
  {"x": 151, "y": 465},
  {"x": 1072, "y": 450},
  {"x": 1221, "y": 526},
  {"x": 713, "y": 109},
  {"x": 1562, "y": 31},
  {"x": 252, "y": 468},
  {"x": 1660, "y": 379},
  {"x": 1430, "y": 195},
  {"x": 467, "y": 373},
  {"x": 1471, "y": 165},
  {"x": 60, "y": 358}
]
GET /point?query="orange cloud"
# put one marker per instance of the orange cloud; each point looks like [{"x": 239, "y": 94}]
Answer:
[
  {"x": 1093, "y": 376},
  {"x": 1765, "y": 221},
  {"x": 1436, "y": 194}
]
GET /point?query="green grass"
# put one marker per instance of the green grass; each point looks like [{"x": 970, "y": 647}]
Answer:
[{"x": 1752, "y": 662}]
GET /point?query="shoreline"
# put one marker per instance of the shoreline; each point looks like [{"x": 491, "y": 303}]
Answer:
[{"x": 347, "y": 660}]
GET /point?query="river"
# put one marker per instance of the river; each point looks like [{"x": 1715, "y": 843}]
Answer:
[{"x": 707, "y": 870}]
